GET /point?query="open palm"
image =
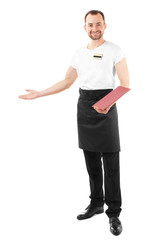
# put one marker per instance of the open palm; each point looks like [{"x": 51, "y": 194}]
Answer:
[{"x": 31, "y": 95}]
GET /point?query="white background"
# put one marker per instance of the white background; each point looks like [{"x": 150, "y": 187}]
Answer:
[{"x": 43, "y": 180}]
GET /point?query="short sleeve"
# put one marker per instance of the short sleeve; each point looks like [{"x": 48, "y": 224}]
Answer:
[
  {"x": 119, "y": 55},
  {"x": 73, "y": 60}
]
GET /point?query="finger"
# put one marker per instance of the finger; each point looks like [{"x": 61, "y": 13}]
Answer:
[
  {"x": 22, "y": 96},
  {"x": 97, "y": 109},
  {"x": 112, "y": 104},
  {"x": 100, "y": 111},
  {"x": 30, "y": 90}
]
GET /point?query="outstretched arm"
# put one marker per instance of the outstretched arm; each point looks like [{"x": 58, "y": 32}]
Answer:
[{"x": 70, "y": 77}]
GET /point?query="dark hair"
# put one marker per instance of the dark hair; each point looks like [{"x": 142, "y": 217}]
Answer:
[{"x": 94, "y": 12}]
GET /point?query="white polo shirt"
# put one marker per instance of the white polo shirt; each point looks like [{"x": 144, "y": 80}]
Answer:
[{"x": 96, "y": 67}]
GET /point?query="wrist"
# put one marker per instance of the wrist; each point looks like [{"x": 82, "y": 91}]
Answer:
[{"x": 39, "y": 94}]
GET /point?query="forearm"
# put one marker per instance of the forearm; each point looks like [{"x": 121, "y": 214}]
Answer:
[
  {"x": 123, "y": 73},
  {"x": 125, "y": 84},
  {"x": 125, "y": 81},
  {"x": 56, "y": 88}
]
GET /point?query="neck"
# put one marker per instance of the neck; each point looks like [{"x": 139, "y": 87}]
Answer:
[{"x": 95, "y": 43}]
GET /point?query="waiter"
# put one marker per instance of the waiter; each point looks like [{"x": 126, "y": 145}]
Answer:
[{"x": 98, "y": 135}]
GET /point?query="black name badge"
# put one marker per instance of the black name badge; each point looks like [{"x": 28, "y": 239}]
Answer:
[{"x": 98, "y": 56}]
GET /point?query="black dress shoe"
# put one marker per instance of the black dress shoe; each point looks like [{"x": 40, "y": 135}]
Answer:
[
  {"x": 115, "y": 225},
  {"x": 91, "y": 210}
]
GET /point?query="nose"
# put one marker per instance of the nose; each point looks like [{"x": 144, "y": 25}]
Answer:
[{"x": 94, "y": 28}]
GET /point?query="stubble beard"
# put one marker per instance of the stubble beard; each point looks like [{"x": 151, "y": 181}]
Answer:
[{"x": 99, "y": 35}]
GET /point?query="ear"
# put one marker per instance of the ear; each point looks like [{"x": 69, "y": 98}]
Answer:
[
  {"x": 105, "y": 26},
  {"x": 85, "y": 27}
]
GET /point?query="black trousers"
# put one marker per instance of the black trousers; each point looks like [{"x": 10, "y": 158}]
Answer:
[{"x": 112, "y": 193}]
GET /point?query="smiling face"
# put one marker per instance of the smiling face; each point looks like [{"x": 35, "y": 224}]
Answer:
[{"x": 95, "y": 26}]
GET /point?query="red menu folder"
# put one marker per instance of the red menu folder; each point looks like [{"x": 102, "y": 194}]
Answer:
[{"x": 111, "y": 97}]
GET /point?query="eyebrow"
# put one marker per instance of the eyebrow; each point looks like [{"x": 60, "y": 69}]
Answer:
[{"x": 92, "y": 23}]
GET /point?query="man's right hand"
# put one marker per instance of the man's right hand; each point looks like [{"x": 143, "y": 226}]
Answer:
[
  {"x": 31, "y": 95},
  {"x": 70, "y": 77}
]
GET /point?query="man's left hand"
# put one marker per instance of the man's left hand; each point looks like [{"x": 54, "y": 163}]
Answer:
[{"x": 103, "y": 111}]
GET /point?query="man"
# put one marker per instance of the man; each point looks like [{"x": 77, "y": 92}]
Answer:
[{"x": 98, "y": 134}]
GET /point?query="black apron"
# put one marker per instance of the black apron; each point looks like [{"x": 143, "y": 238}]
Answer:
[{"x": 97, "y": 132}]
